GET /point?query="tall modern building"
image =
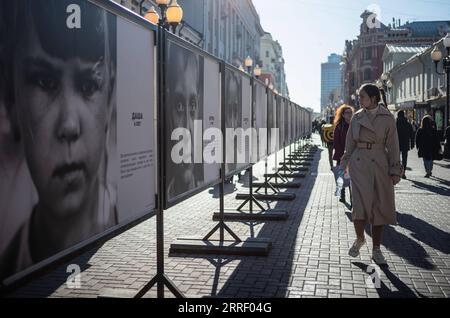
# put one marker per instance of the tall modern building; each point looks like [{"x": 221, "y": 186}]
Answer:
[{"x": 331, "y": 80}]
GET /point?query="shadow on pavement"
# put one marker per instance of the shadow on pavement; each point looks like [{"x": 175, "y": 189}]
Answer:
[
  {"x": 443, "y": 181},
  {"x": 44, "y": 284},
  {"x": 443, "y": 164},
  {"x": 228, "y": 189},
  {"x": 401, "y": 245},
  {"x": 263, "y": 277},
  {"x": 270, "y": 276},
  {"x": 425, "y": 232},
  {"x": 431, "y": 188},
  {"x": 402, "y": 290}
]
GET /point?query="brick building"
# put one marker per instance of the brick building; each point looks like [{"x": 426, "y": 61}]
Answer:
[{"x": 363, "y": 56}]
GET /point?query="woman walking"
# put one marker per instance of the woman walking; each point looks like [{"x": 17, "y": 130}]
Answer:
[
  {"x": 373, "y": 157},
  {"x": 428, "y": 144},
  {"x": 406, "y": 138},
  {"x": 342, "y": 120}
]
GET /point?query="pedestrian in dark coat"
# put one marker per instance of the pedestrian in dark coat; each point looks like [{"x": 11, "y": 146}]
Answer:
[
  {"x": 447, "y": 143},
  {"x": 428, "y": 144},
  {"x": 342, "y": 121},
  {"x": 406, "y": 138}
]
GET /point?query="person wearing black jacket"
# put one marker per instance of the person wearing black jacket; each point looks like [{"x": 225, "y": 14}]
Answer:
[
  {"x": 406, "y": 138},
  {"x": 428, "y": 144},
  {"x": 447, "y": 143}
]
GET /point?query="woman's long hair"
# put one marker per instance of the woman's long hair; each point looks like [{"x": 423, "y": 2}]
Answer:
[
  {"x": 339, "y": 114},
  {"x": 427, "y": 123}
]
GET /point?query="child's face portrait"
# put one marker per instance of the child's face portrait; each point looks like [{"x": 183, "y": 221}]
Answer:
[
  {"x": 233, "y": 102},
  {"x": 63, "y": 108},
  {"x": 187, "y": 96},
  {"x": 184, "y": 107}
]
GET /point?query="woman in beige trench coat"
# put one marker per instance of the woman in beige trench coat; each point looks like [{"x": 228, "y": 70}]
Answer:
[{"x": 372, "y": 156}]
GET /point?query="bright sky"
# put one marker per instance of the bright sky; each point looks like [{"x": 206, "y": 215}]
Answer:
[{"x": 310, "y": 30}]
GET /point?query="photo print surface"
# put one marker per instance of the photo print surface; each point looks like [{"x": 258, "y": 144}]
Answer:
[
  {"x": 260, "y": 119},
  {"x": 212, "y": 124},
  {"x": 245, "y": 146},
  {"x": 183, "y": 118},
  {"x": 59, "y": 150},
  {"x": 280, "y": 121},
  {"x": 233, "y": 117},
  {"x": 272, "y": 123}
]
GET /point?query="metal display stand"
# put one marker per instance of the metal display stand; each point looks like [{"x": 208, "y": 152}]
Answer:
[
  {"x": 160, "y": 279},
  {"x": 252, "y": 198},
  {"x": 221, "y": 246}
]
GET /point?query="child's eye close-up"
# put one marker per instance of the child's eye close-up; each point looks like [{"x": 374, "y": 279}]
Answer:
[{"x": 89, "y": 87}]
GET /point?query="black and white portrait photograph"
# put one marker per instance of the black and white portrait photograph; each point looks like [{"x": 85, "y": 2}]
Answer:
[
  {"x": 233, "y": 117},
  {"x": 184, "y": 106},
  {"x": 57, "y": 106},
  {"x": 280, "y": 121},
  {"x": 271, "y": 122}
]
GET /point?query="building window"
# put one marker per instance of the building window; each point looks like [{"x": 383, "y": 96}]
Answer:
[
  {"x": 367, "y": 75},
  {"x": 368, "y": 53}
]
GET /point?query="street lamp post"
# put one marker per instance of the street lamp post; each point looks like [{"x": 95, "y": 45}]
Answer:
[
  {"x": 356, "y": 95},
  {"x": 152, "y": 16},
  {"x": 163, "y": 4},
  {"x": 436, "y": 56},
  {"x": 171, "y": 15},
  {"x": 249, "y": 64},
  {"x": 257, "y": 71},
  {"x": 384, "y": 84},
  {"x": 174, "y": 15}
]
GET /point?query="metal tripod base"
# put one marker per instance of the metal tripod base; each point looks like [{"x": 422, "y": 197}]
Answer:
[
  {"x": 301, "y": 157},
  {"x": 287, "y": 175},
  {"x": 283, "y": 185},
  {"x": 298, "y": 169},
  {"x": 245, "y": 216},
  {"x": 268, "y": 197},
  {"x": 126, "y": 293},
  {"x": 197, "y": 246},
  {"x": 290, "y": 164}
]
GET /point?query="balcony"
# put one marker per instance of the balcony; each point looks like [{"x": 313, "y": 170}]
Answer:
[{"x": 433, "y": 93}]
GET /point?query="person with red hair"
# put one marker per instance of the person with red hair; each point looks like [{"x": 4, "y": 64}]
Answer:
[{"x": 342, "y": 120}]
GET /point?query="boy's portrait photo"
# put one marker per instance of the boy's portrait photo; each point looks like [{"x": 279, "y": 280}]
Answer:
[
  {"x": 233, "y": 116},
  {"x": 57, "y": 136},
  {"x": 184, "y": 107}
]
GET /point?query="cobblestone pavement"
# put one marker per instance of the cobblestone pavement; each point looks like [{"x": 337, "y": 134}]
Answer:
[{"x": 309, "y": 257}]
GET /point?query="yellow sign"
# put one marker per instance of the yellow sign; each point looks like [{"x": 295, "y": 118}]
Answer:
[{"x": 328, "y": 132}]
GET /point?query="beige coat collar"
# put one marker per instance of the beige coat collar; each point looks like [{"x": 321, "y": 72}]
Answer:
[{"x": 362, "y": 119}]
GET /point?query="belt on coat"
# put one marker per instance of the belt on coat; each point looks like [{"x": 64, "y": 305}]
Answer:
[{"x": 370, "y": 146}]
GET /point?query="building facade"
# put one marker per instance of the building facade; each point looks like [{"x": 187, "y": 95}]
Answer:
[
  {"x": 272, "y": 64},
  {"x": 363, "y": 56},
  {"x": 418, "y": 89},
  {"x": 331, "y": 81},
  {"x": 228, "y": 29},
  {"x": 397, "y": 54}
]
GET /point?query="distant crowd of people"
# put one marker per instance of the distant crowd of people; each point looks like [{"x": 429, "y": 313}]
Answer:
[{"x": 425, "y": 138}]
